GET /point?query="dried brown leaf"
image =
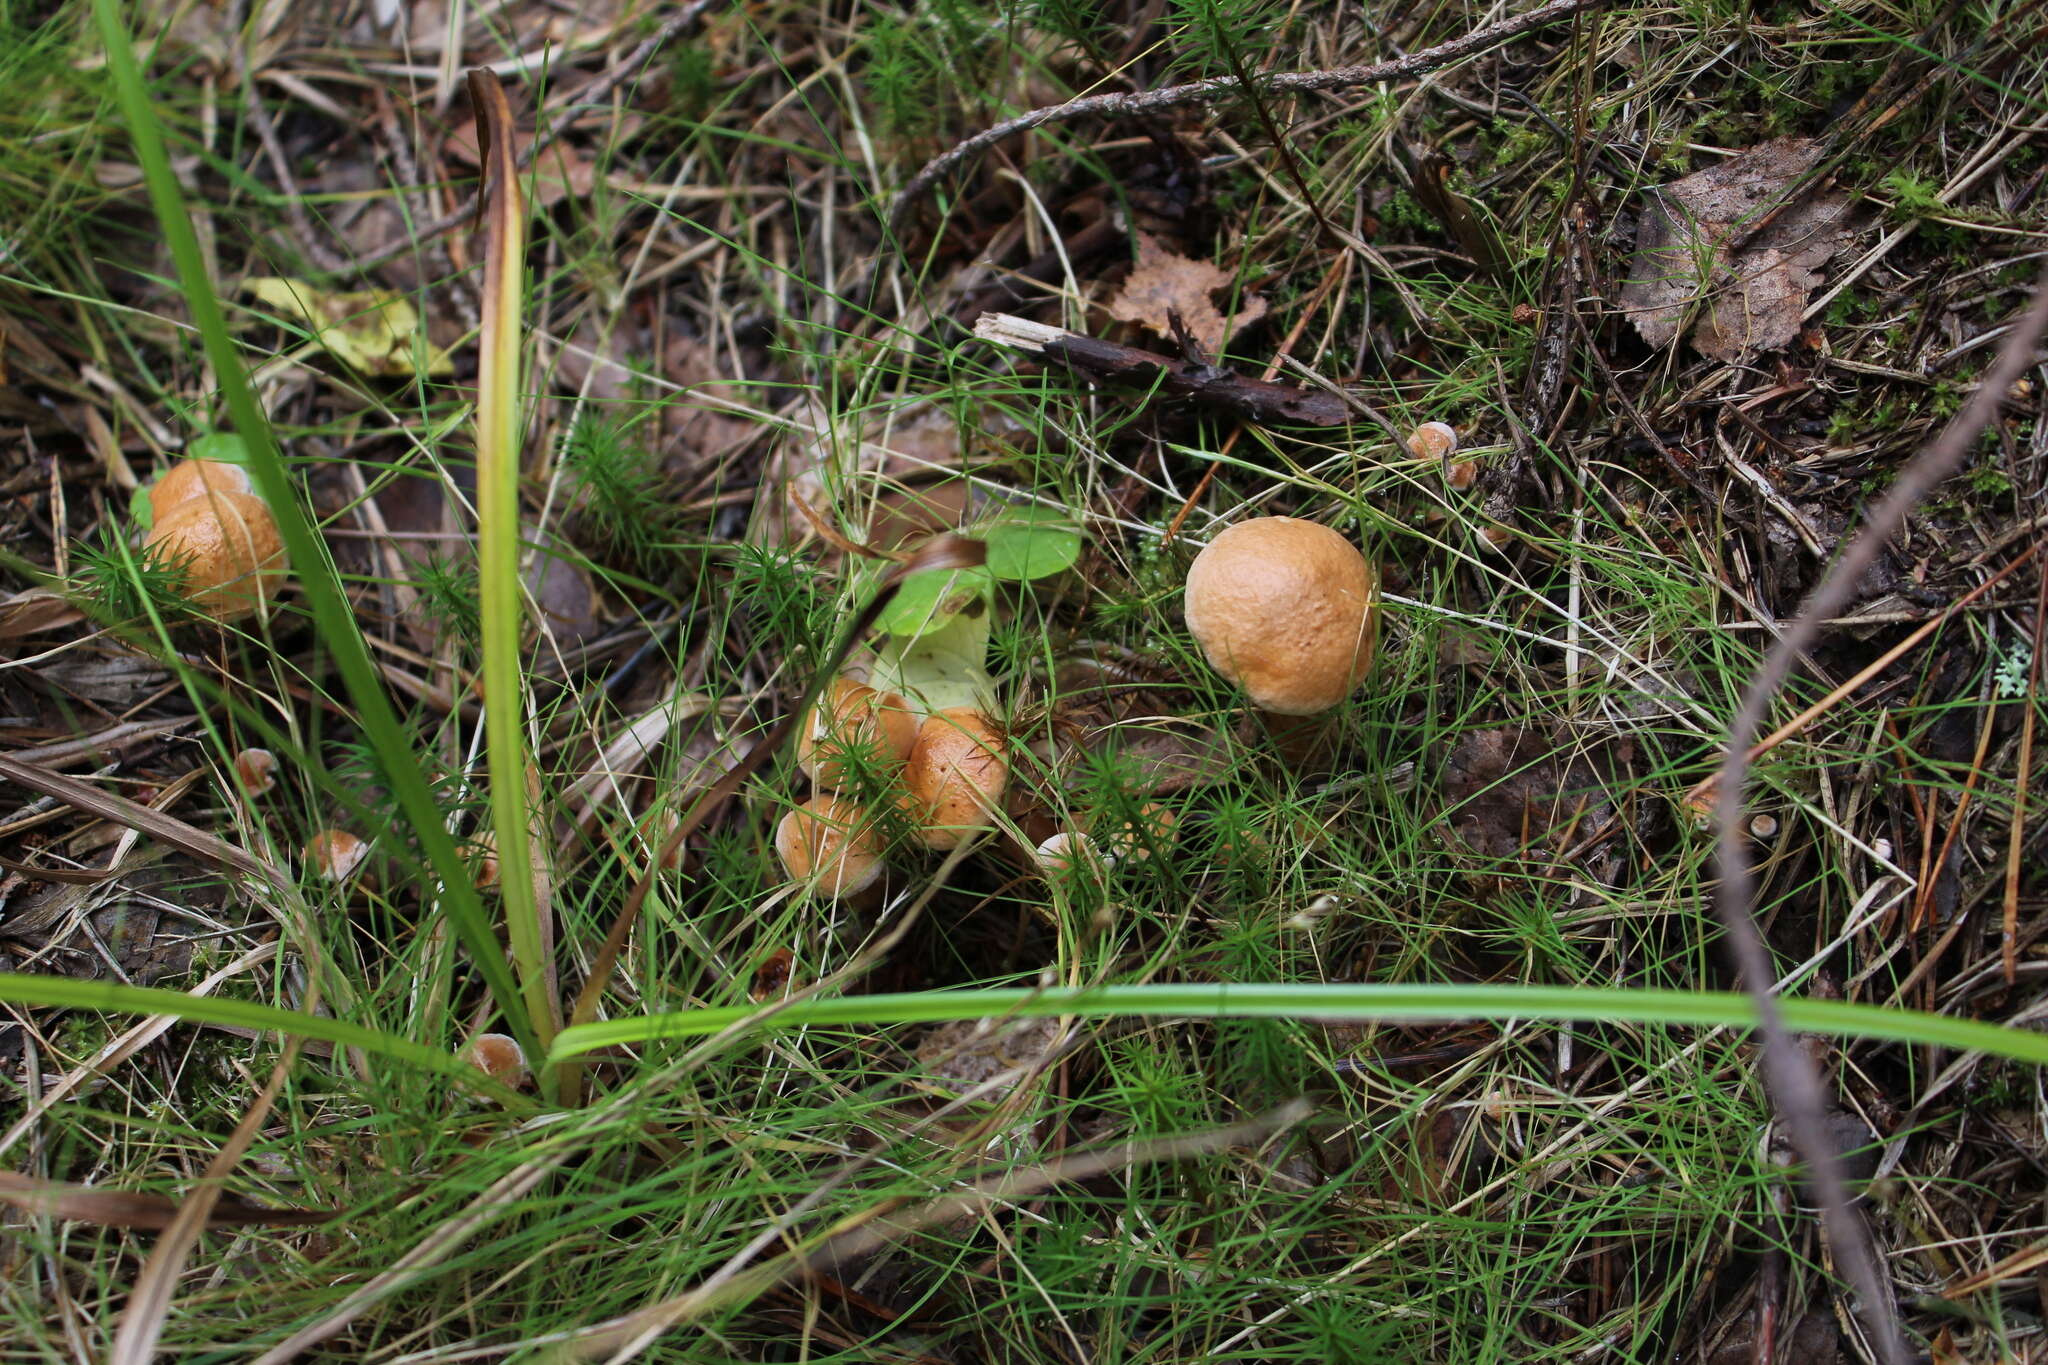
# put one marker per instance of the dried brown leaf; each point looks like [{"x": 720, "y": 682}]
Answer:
[
  {"x": 1165, "y": 755},
  {"x": 700, "y": 426},
  {"x": 1515, "y": 790},
  {"x": 565, "y": 598},
  {"x": 1811, "y": 1340},
  {"x": 970, "y": 1052},
  {"x": 35, "y": 610},
  {"x": 1165, "y": 282},
  {"x": 1747, "y": 238}
]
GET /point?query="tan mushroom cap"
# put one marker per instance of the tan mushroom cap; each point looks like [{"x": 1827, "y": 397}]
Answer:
[
  {"x": 832, "y": 842},
  {"x": 1069, "y": 851},
  {"x": 1433, "y": 441},
  {"x": 258, "y": 770},
  {"x": 853, "y": 718},
  {"x": 228, "y": 546},
  {"x": 189, "y": 479},
  {"x": 955, "y": 778},
  {"x": 334, "y": 854},
  {"x": 483, "y": 860},
  {"x": 498, "y": 1056},
  {"x": 1286, "y": 609},
  {"x": 1132, "y": 841}
]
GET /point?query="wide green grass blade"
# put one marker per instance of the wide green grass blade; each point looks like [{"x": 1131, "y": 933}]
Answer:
[
  {"x": 336, "y": 622},
  {"x": 1386, "y": 1003},
  {"x": 500, "y": 589}
]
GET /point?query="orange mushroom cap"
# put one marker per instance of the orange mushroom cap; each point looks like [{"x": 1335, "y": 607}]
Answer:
[
  {"x": 956, "y": 776},
  {"x": 832, "y": 842},
  {"x": 189, "y": 479},
  {"x": 334, "y": 854},
  {"x": 258, "y": 770},
  {"x": 853, "y": 718},
  {"x": 1286, "y": 609},
  {"x": 498, "y": 1056},
  {"x": 228, "y": 547}
]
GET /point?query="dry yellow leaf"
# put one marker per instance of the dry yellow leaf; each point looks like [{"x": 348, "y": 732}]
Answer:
[{"x": 375, "y": 331}]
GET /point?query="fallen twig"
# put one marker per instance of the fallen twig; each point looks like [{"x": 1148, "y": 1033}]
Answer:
[
  {"x": 1258, "y": 400},
  {"x": 2008, "y": 936},
  {"x": 1793, "y": 1081},
  {"x": 1126, "y": 103}
]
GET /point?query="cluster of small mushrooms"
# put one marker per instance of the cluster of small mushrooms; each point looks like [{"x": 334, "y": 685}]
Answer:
[
  {"x": 207, "y": 520},
  {"x": 953, "y": 777},
  {"x": 1286, "y": 609}
]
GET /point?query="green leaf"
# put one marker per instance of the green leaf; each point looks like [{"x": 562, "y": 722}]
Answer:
[
  {"x": 140, "y": 511},
  {"x": 318, "y": 579},
  {"x": 929, "y": 601},
  {"x": 222, "y": 446},
  {"x": 941, "y": 668},
  {"x": 1032, "y": 542},
  {"x": 63, "y": 992},
  {"x": 376, "y": 331}
]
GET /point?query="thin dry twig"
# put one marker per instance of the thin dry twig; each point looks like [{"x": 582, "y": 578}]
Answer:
[
  {"x": 208, "y": 848},
  {"x": 1124, "y": 104},
  {"x": 1217, "y": 386},
  {"x": 1793, "y": 1081},
  {"x": 128, "y": 1209}
]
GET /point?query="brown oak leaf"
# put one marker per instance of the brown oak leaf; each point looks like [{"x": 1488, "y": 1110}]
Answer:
[{"x": 1166, "y": 282}]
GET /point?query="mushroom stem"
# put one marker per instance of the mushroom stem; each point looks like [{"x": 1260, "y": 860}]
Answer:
[{"x": 1298, "y": 741}]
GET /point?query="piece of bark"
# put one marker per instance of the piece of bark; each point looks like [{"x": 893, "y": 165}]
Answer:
[{"x": 1107, "y": 362}]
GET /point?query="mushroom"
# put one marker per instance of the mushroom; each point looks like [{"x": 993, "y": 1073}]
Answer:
[
  {"x": 1433, "y": 441},
  {"x": 853, "y": 718},
  {"x": 258, "y": 770},
  {"x": 1286, "y": 609},
  {"x": 830, "y": 842},
  {"x": 189, "y": 479},
  {"x": 1069, "y": 851},
  {"x": 1134, "y": 839},
  {"x": 498, "y": 1056},
  {"x": 955, "y": 778},
  {"x": 228, "y": 546},
  {"x": 483, "y": 860},
  {"x": 333, "y": 855}
]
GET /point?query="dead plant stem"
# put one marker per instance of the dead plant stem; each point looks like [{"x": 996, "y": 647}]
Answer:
[{"x": 1794, "y": 1083}]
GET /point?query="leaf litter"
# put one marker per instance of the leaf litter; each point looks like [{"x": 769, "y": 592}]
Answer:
[{"x": 1747, "y": 240}]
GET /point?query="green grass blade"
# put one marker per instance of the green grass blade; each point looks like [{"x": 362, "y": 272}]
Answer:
[
  {"x": 63, "y": 992},
  {"x": 1257, "y": 1000},
  {"x": 336, "y": 622},
  {"x": 500, "y": 594}
]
